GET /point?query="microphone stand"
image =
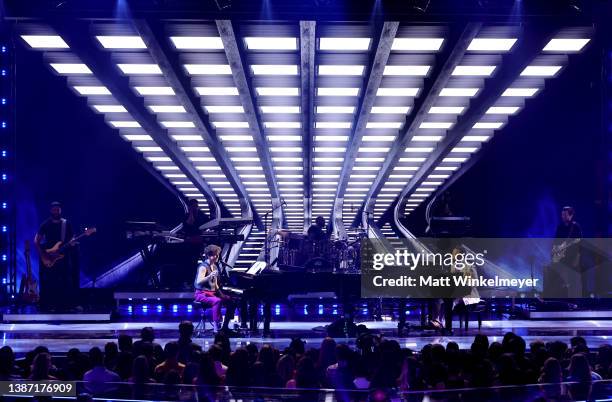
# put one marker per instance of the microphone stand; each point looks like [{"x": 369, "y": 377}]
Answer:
[
  {"x": 367, "y": 228},
  {"x": 266, "y": 241}
]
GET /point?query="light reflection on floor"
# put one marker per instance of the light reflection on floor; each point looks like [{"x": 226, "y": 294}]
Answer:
[{"x": 61, "y": 337}]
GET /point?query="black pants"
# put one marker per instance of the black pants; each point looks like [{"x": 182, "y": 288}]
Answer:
[{"x": 58, "y": 286}]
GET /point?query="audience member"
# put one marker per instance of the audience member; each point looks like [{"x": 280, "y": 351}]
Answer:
[
  {"x": 186, "y": 345},
  {"x": 171, "y": 362},
  {"x": 8, "y": 371},
  {"x": 378, "y": 364},
  {"x": 41, "y": 367},
  {"x": 140, "y": 371},
  {"x": 99, "y": 373}
]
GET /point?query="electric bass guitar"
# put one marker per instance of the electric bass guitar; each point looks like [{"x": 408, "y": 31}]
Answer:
[
  {"x": 28, "y": 289},
  {"x": 558, "y": 251},
  {"x": 51, "y": 255}
]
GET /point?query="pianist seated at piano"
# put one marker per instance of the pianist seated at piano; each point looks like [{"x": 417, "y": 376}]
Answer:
[
  {"x": 207, "y": 290},
  {"x": 194, "y": 218}
]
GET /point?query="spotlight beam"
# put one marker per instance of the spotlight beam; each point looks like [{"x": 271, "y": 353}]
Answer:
[
  {"x": 531, "y": 45},
  {"x": 160, "y": 53},
  {"x": 102, "y": 67},
  {"x": 405, "y": 135},
  {"x": 237, "y": 63},
  {"x": 383, "y": 49},
  {"x": 307, "y": 70}
]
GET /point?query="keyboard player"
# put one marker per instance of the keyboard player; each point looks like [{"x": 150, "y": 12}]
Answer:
[
  {"x": 207, "y": 290},
  {"x": 194, "y": 218}
]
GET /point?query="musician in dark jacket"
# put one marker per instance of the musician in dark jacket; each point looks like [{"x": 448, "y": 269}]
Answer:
[
  {"x": 568, "y": 230},
  {"x": 566, "y": 253},
  {"x": 59, "y": 283},
  {"x": 194, "y": 218}
]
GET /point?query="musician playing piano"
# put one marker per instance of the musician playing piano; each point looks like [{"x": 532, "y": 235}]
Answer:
[{"x": 207, "y": 290}]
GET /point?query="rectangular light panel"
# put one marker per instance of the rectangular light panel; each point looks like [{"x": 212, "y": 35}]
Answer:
[
  {"x": 121, "y": 42},
  {"x": 45, "y": 41},
  {"x": 197, "y": 42}
]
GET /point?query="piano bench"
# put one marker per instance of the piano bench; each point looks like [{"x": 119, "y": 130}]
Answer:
[{"x": 205, "y": 318}]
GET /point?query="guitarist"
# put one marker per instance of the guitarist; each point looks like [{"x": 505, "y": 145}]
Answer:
[
  {"x": 568, "y": 266},
  {"x": 59, "y": 283}
]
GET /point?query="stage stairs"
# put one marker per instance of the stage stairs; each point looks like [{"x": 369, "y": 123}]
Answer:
[{"x": 250, "y": 250}]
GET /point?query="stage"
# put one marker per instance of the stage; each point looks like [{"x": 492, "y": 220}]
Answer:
[{"x": 24, "y": 337}]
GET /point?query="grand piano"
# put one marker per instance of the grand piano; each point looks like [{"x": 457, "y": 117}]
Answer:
[{"x": 269, "y": 286}]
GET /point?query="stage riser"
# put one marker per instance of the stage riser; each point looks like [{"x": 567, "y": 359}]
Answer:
[
  {"x": 57, "y": 318},
  {"x": 571, "y": 315}
]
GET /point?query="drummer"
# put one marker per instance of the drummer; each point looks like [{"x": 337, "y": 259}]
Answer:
[{"x": 317, "y": 232}]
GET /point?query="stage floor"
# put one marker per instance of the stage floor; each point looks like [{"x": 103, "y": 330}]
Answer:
[{"x": 61, "y": 337}]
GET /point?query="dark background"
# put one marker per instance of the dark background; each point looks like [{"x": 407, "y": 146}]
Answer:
[{"x": 66, "y": 152}]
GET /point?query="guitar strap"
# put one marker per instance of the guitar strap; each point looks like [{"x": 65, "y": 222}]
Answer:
[
  {"x": 571, "y": 231},
  {"x": 63, "y": 231}
]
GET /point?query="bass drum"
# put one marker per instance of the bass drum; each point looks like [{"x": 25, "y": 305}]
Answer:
[{"x": 318, "y": 264}]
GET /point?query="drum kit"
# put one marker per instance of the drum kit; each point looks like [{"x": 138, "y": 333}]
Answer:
[{"x": 298, "y": 251}]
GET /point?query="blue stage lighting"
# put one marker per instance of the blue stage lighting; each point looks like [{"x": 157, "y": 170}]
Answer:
[
  {"x": 4, "y": 205},
  {"x": 4, "y": 281},
  {"x": 4, "y": 257},
  {"x": 4, "y": 153},
  {"x": 277, "y": 309},
  {"x": 3, "y": 101},
  {"x": 305, "y": 309},
  {"x": 3, "y": 49},
  {"x": 3, "y": 72},
  {"x": 174, "y": 308},
  {"x": 4, "y": 177},
  {"x": 145, "y": 309},
  {"x": 189, "y": 308},
  {"x": 159, "y": 308},
  {"x": 320, "y": 309},
  {"x": 3, "y": 124},
  {"x": 4, "y": 229}
]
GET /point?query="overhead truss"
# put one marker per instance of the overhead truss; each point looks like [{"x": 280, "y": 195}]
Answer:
[{"x": 321, "y": 119}]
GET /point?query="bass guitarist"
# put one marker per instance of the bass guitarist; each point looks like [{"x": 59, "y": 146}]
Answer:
[
  {"x": 58, "y": 283},
  {"x": 566, "y": 254}
]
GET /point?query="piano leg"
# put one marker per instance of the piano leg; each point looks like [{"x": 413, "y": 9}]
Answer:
[
  {"x": 244, "y": 312},
  {"x": 448, "y": 316},
  {"x": 267, "y": 311},
  {"x": 253, "y": 314},
  {"x": 401, "y": 314}
]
